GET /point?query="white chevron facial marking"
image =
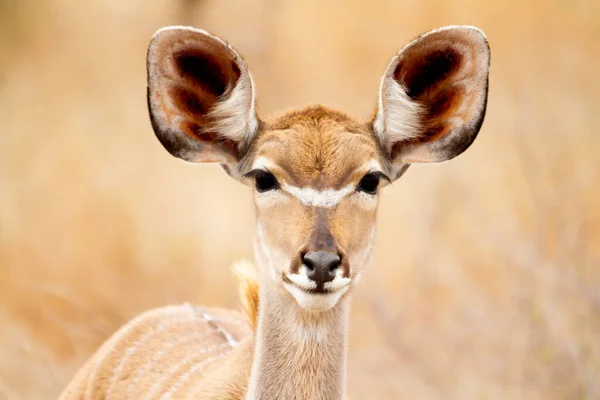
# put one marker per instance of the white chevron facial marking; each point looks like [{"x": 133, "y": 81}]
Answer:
[
  {"x": 318, "y": 198},
  {"x": 311, "y": 197}
]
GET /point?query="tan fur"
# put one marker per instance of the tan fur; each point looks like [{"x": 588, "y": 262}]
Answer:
[
  {"x": 248, "y": 286},
  {"x": 165, "y": 350},
  {"x": 292, "y": 342}
]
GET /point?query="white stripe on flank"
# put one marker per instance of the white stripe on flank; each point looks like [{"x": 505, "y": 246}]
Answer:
[
  {"x": 166, "y": 322},
  {"x": 188, "y": 374},
  {"x": 232, "y": 342},
  {"x": 160, "y": 354},
  {"x": 170, "y": 376}
]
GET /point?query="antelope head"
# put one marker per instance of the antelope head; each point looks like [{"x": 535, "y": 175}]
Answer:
[{"x": 316, "y": 173}]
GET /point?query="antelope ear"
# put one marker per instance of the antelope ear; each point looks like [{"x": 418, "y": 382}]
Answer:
[
  {"x": 200, "y": 96},
  {"x": 433, "y": 96}
]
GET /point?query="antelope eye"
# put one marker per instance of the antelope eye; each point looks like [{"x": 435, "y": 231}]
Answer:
[
  {"x": 369, "y": 183},
  {"x": 265, "y": 181}
]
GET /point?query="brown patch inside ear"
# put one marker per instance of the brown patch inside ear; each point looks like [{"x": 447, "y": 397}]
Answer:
[
  {"x": 191, "y": 103},
  {"x": 207, "y": 75},
  {"x": 203, "y": 74},
  {"x": 202, "y": 70},
  {"x": 214, "y": 72},
  {"x": 432, "y": 75},
  {"x": 427, "y": 71},
  {"x": 189, "y": 73}
]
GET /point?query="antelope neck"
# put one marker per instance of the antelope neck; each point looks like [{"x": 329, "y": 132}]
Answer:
[{"x": 298, "y": 354}]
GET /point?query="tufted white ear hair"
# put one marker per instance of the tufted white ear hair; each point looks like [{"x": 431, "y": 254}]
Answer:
[
  {"x": 200, "y": 96},
  {"x": 433, "y": 96}
]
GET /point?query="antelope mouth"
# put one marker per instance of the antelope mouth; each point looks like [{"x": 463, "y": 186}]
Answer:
[
  {"x": 311, "y": 297},
  {"x": 313, "y": 289}
]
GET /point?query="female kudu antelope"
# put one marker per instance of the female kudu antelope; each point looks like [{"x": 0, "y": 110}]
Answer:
[{"x": 316, "y": 175}]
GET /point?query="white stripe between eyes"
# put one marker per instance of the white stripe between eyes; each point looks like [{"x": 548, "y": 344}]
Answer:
[
  {"x": 311, "y": 197},
  {"x": 318, "y": 198}
]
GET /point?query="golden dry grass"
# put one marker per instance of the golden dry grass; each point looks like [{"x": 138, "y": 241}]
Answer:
[{"x": 486, "y": 278}]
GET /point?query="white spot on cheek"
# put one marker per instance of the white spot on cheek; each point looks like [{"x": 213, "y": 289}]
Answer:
[
  {"x": 301, "y": 279},
  {"x": 338, "y": 282}
]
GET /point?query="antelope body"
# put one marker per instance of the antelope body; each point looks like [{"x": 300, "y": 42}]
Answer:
[{"x": 316, "y": 175}]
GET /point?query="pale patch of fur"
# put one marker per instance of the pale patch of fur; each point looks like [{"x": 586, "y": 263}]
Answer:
[
  {"x": 373, "y": 166},
  {"x": 318, "y": 198},
  {"x": 339, "y": 282},
  {"x": 314, "y": 302},
  {"x": 263, "y": 163},
  {"x": 247, "y": 277},
  {"x": 302, "y": 280},
  {"x": 234, "y": 117},
  {"x": 398, "y": 117}
]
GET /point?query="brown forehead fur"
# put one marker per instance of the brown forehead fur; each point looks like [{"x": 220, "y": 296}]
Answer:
[{"x": 316, "y": 146}]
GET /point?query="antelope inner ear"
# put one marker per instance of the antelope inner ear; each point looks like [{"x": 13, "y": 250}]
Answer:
[
  {"x": 200, "y": 96},
  {"x": 439, "y": 82}
]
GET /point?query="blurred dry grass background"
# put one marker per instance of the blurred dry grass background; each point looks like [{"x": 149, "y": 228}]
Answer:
[{"x": 486, "y": 278}]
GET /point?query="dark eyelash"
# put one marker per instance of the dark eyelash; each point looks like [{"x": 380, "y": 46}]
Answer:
[
  {"x": 381, "y": 175},
  {"x": 252, "y": 174}
]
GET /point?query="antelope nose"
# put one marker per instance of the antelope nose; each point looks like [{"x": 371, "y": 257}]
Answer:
[{"x": 321, "y": 266}]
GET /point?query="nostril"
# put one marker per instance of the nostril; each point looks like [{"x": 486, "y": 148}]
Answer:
[
  {"x": 335, "y": 263},
  {"x": 308, "y": 263}
]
